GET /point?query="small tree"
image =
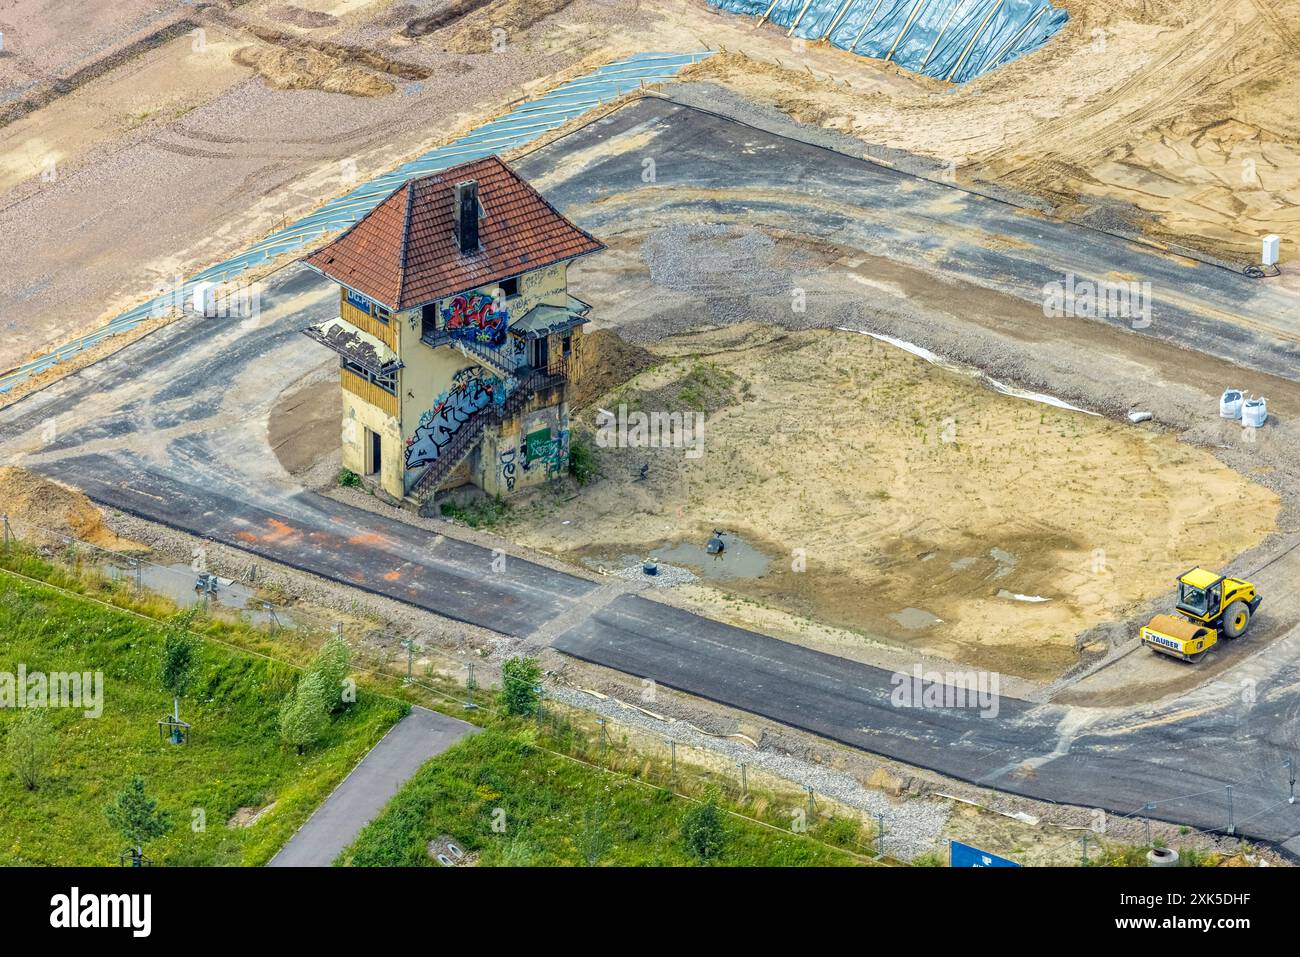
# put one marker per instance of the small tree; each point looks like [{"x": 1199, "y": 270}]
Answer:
[
  {"x": 703, "y": 832},
  {"x": 137, "y": 818},
  {"x": 305, "y": 715},
  {"x": 178, "y": 665},
  {"x": 333, "y": 663},
  {"x": 519, "y": 682},
  {"x": 28, "y": 746}
]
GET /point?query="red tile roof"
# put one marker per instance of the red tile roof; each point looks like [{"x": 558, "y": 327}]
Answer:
[{"x": 403, "y": 253}]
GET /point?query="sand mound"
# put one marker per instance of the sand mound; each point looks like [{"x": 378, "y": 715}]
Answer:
[
  {"x": 305, "y": 68},
  {"x": 40, "y": 509},
  {"x": 307, "y": 19},
  {"x": 478, "y": 34},
  {"x": 607, "y": 362}
]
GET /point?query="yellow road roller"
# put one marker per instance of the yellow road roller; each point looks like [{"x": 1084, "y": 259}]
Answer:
[{"x": 1212, "y": 605}]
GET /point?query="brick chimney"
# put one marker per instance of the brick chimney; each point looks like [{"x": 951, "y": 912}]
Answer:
[{"x": 466, "y": 216}]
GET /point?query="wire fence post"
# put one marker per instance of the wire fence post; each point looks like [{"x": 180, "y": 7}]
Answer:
[
  {"x": 469, "y": 688},
  {"x": 744, "y": 781},
  {"x": 1231, "y": 828},
  {"x": 409, "y": 645},
  {"x": 8, "y": 532},
  {"x": 880, "y": 835}
]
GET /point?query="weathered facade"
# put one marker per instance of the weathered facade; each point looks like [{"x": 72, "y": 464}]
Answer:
[{"x": 457, "y": 336}]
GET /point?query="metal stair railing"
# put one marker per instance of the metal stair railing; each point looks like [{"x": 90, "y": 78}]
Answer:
[{"x": 468, "y": 435}]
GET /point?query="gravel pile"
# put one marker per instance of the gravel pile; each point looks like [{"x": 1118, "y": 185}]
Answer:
[{"x": 669, "y": 576}]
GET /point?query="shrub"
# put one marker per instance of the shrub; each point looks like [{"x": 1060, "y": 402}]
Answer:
[
  {"x": 582, "y": 461},
  {"x": 702, "y": 830},
  {"x": 305, "y": 716},
  {"x": 28, "y": 745},
  {"x": 519, "y": 681}
]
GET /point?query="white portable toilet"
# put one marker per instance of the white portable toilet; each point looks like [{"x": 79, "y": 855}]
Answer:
[
  {"x": 1254, "y": 412},
  {"x": 1230, "y": 404},
  {"x": 1272, "y": 251}
]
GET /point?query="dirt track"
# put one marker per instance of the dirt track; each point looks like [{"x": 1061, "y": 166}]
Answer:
[{"x": 1156, "y": 116}]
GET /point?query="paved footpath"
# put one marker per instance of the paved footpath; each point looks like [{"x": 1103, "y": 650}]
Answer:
[{"x": 419, "y": 736}]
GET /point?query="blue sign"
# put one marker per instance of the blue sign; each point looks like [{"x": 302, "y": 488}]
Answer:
[
  {"x": 963, "y": 855},
  {"x": 361, "y": 302}
]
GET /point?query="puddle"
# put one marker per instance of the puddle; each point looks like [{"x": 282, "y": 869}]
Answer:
[
  {"x": 914, "y": 619},
  {"x": 178, "y": 581},
  {"x": 687, "y": 561},
  {"x": 1006, "y": 562},
  {"x": 738, "y": 560}
]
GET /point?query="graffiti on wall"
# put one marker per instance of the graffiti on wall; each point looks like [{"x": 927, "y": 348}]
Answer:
[
  {"x": 476, "y": 317},
  {"x": 508, "y": 468},
  {"x": 471, "y": 390},
  {"x": 544, "y": 450}
]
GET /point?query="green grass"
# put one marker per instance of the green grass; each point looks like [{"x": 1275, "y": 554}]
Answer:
[
  {"x": 554, "y": 811},
  {"x": 478, "y": 514},
  {"x": 234, "y": 760},
  {"x": 707, "y": 387}
]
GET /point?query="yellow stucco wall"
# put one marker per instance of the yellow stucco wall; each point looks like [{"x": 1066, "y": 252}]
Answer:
[
  {"x": 427, "y": 374},
  {"x": 358, "y": 416}
]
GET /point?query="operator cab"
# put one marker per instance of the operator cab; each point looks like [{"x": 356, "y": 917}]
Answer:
[{"x": 1200, "y": 593}]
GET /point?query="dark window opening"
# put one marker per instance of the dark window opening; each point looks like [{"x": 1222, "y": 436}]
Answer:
[
  {"x": 510, "y": 287},
  {"x": 429, "y": 319},
  {"x": 382, "y": 314},
  {"x": 567, "y": 346}
]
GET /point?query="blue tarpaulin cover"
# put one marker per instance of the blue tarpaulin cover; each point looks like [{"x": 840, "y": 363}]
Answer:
[{"x": 954, "y": 40}]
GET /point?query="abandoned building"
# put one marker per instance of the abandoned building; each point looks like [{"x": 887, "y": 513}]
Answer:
[{"x": 457, "y": 337}]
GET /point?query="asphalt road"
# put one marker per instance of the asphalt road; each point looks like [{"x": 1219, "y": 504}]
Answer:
[
  {"x": 419, "y": 736},
  {"x": 173, "y": 428}
]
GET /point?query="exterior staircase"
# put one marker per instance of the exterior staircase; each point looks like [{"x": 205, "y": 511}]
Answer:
[
  {"x": 469, "y": 434},
  {"x": 492, "y": 359},
  {"x": 452, "y": 454}
]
